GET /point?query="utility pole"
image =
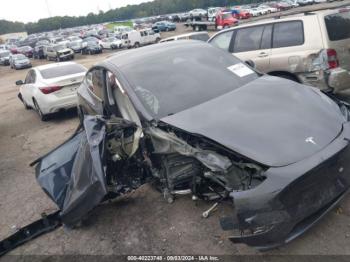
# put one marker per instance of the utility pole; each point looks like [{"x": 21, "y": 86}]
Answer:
[{"x": 48, "y": 8}]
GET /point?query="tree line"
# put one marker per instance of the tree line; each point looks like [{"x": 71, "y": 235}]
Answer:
[{"x": 156, "y": 7}]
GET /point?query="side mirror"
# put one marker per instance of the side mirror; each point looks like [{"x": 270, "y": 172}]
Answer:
[
  {"x": 19, "y": 83},
  {"x": 250, "y": 63}
]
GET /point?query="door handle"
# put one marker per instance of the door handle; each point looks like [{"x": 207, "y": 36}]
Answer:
[{"x": 263, "y": 54}]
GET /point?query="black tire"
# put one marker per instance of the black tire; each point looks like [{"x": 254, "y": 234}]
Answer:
[
  {"x": 42, "y": 116},
  {"x": 137, "y": 45}
]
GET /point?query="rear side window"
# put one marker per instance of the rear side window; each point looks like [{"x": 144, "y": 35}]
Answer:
[
  {"x": 266, "y": 37},
  {"x": 338, "y": 26},
  {"x": 200, "y": 37},
  {"x": 222, "y": 40},
  {"x": 248, "y": 39},
  {"x": 288, "y": 34},
  {"x": 62, "y": 71}
]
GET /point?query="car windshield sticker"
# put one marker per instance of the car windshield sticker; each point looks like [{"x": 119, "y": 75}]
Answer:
[{"x": 240, "y": 69}]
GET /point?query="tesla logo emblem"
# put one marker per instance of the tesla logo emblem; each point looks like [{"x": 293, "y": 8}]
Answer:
[{"x": 310, "y": 140}]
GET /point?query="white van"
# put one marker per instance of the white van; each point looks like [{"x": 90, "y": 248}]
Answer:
[{"x": 139, "y": 38}]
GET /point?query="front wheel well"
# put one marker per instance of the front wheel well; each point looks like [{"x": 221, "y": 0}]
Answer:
[{"x": 286, "y": 75}]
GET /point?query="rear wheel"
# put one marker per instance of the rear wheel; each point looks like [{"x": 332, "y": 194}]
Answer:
[
  {"x": 137, "y": 45},
  {"x": 42, "y": 116}
]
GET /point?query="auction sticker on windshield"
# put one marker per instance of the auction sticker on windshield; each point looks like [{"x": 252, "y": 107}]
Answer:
[{"x": 240, "y": 69}]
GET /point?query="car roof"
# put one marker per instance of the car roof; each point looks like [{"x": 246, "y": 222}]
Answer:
[
  {"x": 146, "y": 53},
  {"x": 185, "y": 35}
]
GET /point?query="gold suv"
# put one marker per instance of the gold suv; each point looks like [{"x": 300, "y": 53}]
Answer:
[{"x": 311, "y": 48}]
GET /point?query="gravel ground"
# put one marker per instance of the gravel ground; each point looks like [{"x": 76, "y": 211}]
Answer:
[{"x": 141, "y": 223}]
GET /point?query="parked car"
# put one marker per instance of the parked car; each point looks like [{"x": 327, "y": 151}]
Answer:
[
  {"x": 201, "y": 36},
  {"x": 13, "y": 49},
  {"x": 192, "y": 119},
  {"x": 51, "y": 88},
  {"x": 267, "y": 9},
  {"x": 255, "y": 12},
  {"x": 139, "y": 38},
  {"x": 59, "y": 53},
  {"x": 198, "y": 13},
  {"x": 92, "y": 48},
  {"x": 311, "y": 49},
  {"x": 25, "y": 50},
  {"x": 19, "y": 61},
  {"x": 86, "y": 40},
  {"x": 76, "y": 46},
  {"x": 111, "y": 43},
  {"x": 5, "y": 57},
  {"x": 305, "y": 2},
  {"x": 163, "y": 26},
  {"x": 39, "y": 52},
  {"x": 241, "y": 14}
]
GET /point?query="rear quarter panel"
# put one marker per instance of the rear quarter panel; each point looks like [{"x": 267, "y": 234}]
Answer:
[{"x": 296, "y": 59}]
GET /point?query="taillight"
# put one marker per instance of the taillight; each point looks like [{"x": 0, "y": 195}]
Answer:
[
  {"x": 49, "y": 89},
  {"x": 333, "y": 61}
]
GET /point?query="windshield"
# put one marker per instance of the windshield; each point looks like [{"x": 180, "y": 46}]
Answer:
[
  {"x": 4, "y": 54},
  {"x": 59, "y": 71},
  {"x": 59, "y": 47},
  {"x": 227, "y": 16},
  {"x": 176, "y": 79}
]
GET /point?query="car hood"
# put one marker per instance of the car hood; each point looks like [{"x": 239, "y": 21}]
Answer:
[
  {"x": 273, "y": 121},
  {"x": 22, "y": 61},
  {"x": 64, "y": 50}
]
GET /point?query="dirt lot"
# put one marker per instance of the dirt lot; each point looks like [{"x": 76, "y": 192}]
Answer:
[{"x": 142, "y": 223}]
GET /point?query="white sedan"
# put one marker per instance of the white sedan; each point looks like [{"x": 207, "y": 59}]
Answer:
[
  {"x": 111, "y": 43},
  {"x": 51, "y": 88}
]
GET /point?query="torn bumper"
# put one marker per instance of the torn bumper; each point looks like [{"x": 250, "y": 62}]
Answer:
[
  {"x": 292, "y": 198},
  {"x": 339, "y": 79}
]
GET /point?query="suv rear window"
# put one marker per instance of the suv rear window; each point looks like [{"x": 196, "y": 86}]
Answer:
[
  {"x": 338, "y": 26},
  {"x": 61, "y": 71},
  {"x": 288, "y": 34}
]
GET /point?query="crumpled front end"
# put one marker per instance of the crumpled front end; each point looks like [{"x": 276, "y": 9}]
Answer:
[{"x": 292, "y": 198}]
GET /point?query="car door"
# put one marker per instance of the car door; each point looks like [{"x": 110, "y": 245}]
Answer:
[
  {"x": 253, "y": 43},
  {"x": 289, "y": 50},
  {"x": 27, "y": 89},
  {"x": 90, "y": 94}
]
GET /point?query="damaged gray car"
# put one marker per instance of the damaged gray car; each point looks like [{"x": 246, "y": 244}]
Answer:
[{"x": 193, "y": 119}]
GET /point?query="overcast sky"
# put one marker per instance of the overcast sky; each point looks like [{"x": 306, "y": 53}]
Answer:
[{"x": 33, "y": 10}]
